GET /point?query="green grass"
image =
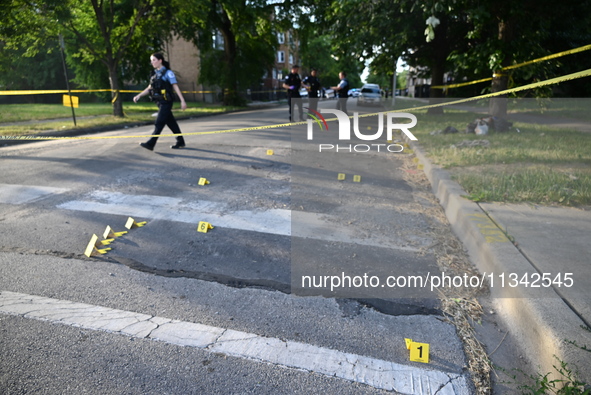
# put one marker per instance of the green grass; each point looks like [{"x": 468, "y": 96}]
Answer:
[
  {"x": 19, "y": 119},
  {"x": 32, "y": 112},
  {"x": 577, "y": 108},
  {"x": 573, "y": 108},
  {"x": 530, "y": 184},
  {"x": 539, "y": 164},
  {"x": 568, "y": 384}
]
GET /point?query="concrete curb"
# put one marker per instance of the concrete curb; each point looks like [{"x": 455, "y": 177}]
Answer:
[{"x": 539, "y": 318}]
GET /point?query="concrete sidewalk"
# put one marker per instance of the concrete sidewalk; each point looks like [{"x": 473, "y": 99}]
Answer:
[{"x": 540, "y": 275}]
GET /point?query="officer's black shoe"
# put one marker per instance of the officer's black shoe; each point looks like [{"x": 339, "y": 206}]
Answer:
[
  {"x": 177, "y": 146},
  {"x": 146, "y": 146}
]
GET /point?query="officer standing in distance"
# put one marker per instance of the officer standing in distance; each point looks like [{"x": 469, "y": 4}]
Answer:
[
  {"x": 342, "y": 90},
  {"x": 293, "y": 84},
  {"x": 312, "y": 84}
]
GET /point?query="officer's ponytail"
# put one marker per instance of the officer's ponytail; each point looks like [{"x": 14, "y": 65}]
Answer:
[{"x": 159, "y": 56}]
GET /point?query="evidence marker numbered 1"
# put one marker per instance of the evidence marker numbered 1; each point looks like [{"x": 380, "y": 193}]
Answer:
[{"x": 419, "y": 352}]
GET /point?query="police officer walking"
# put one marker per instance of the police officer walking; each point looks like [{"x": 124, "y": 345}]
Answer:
[
  {"x": 342, "y": 90},
  {"x": 312, "y": 84},
  {"x": 161, "y": 87},
  {"x": 293, "y": 84}
]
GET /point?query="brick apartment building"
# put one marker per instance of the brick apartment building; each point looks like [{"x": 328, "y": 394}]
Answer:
[{"x": 185, "y": 60}]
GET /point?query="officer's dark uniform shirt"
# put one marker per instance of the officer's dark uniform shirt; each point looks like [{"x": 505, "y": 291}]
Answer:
[
  {"x": 344, "y": 91},
  {"x": 314, "y": 84},
  {"x": 295, "y": 81},
  {"x": 167, "y": 78}
]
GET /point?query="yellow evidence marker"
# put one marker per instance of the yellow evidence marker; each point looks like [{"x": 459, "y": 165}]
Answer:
[
  {"x": 203, "y": 181},
  {"x": 356, "y": 178},
  {"x": 341, "y": 176},
  {"x": 408, "y": 343},
  {"x": 110, "y": 233},
  {"x": 131, "y": 223},
  {"x": 91, "y": 248},
  {"x": 204, "y": 227},
  {"x": 269, "y": 152},
  {"x": 419, "y": 352}
]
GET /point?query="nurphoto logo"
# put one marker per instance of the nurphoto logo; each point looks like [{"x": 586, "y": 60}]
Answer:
[{"x": 392, "y": 119}]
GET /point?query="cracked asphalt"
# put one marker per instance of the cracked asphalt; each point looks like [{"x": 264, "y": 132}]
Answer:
[{"x": 241, "y": 277}]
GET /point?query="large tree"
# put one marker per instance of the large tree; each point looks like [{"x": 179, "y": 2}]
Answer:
[
  {"x": 320, "y": 47},
  {"x": 506, "y": 33},
  {"x": 247, "y": 47},
  {"x": 44, "y": 70},
  {"x": 463, "y": 38},
  {"x": 384, "y": 30},
  {"x": 97, "y": 32}
]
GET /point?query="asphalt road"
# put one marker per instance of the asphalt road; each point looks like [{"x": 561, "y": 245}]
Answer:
[{"x": 278, "y": 221}]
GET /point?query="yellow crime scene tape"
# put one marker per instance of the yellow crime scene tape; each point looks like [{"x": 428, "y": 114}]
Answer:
[
  {"x": 515, "y": 66},
  {"x": 552, "y": 81},
  {"x": 553, "y": 56},
  {"x": 461, "y": 84},
  {"x": 45, "y": 92}
]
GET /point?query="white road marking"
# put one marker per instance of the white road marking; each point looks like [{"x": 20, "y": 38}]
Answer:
[
  {"x": 273, "y": 221},
  {"x": 19, "y": 194},
  {"x": 370, "y": 371}
]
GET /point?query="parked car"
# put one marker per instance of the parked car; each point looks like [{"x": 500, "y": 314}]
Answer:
[
  {"x": 328, "y": 93},
  {"x": 369, "y": 94},
  {"x": 354, "y": 92}
]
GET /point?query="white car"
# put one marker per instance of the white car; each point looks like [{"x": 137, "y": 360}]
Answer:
[
  {"x": 329, "y": 93},
  {"x": 370, "y": 94}
]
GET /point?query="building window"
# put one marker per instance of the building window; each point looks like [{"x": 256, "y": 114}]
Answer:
[
  {"x": 291, "y": 59},
  {"x": 280, "y": 57},
  {"x": 281, "y": 38}
]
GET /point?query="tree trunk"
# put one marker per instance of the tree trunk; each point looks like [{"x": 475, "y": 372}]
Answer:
[
  {"x": 436, "y": 95},
  {"x": 440, "y": 53},
  {"x": 497, "y": 106},
  {"x": 115, "y": 95},
  {"x": 231, "y": 96}
]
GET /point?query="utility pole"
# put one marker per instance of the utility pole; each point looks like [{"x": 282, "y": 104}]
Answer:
[
  {"x": 394, "y": 84},
  {"x": 63, "y": 48}
]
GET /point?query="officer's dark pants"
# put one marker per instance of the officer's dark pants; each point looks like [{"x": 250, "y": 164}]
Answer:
[
  {"x": 292, "y": 102},
  {"x": 165, "y": 118},
  {"x": 342, "y": 104},
  {"x": 313, "y": 103}
]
